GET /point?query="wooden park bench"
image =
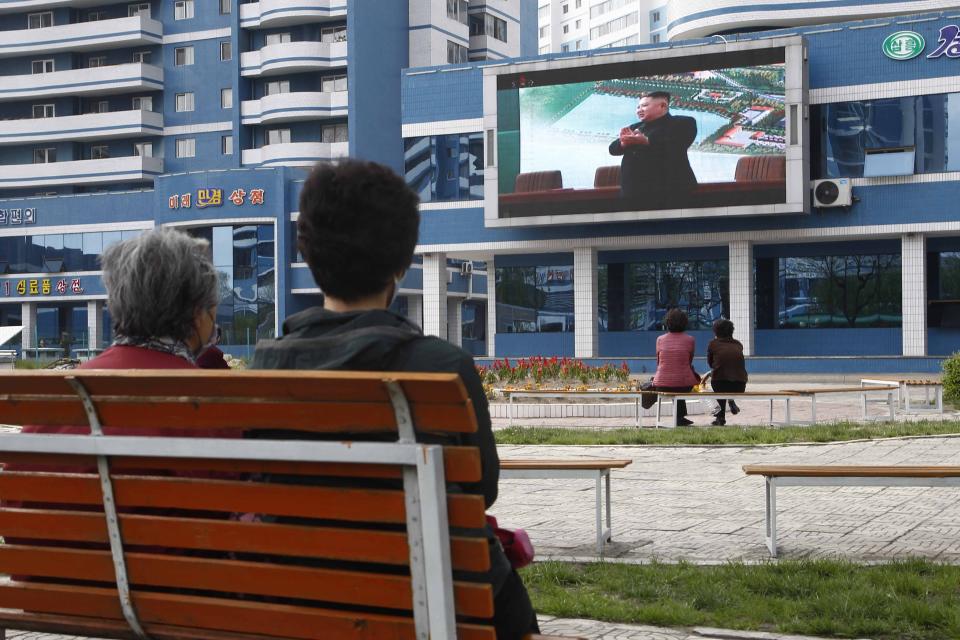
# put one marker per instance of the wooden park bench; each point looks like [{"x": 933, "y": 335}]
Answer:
[
  {"x": 597, "y": 469},
  {"x": 905, "y": 386},
  {"x": 783, "y": 475},
  {"x": 127, "y": 536}
]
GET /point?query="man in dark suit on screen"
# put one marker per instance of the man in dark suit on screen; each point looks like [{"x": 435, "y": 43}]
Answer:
[{"x": 655, "y": 170}]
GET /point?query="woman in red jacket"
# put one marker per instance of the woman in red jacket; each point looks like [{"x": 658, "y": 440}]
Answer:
[{"x": 675, "y": 361}]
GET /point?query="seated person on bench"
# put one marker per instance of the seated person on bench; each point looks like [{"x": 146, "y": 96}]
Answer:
[
  {"x": 728, "y": 369},
  {"x": 357, "y": 230}
]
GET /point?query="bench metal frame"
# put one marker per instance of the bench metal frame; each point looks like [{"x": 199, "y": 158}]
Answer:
[
  {"x": 772, "y": 482},
  {"x": 423, "y": 479},
  {"x": 601, "y": 478},
  {"x": 673, "y": 397},
  {"x": 903, "y": 394}
]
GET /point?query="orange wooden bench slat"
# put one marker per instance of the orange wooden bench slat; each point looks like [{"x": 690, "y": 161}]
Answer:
[
  {"x": 305, "y": 385},
  {"x": 331, "y": 417},
  {"x": 235, "y": 576},
  {"x": 814, "y": 471},
  {"x": 519, "y": 463},
  {"x": 332, "y": 503},
  {"x": 218, "y": 614},
  {"x": 90, "y": 627},
  {"x": 361, "y": 545},
  {"x": 461, "y": 464}
]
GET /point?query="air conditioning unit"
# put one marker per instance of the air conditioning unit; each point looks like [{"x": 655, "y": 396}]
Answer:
[
  {"x": 466, "y": 268},
  {"x": 835, "y": 192}
]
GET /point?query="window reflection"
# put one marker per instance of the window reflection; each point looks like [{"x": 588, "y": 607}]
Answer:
[
  {"x": 535, "y": 299},
  {"x": 446, "y": 167}
]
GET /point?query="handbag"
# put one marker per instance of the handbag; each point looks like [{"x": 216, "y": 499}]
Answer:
[
  {"x": 648, "y": 397},
  {"x": 515, "y": 542}
]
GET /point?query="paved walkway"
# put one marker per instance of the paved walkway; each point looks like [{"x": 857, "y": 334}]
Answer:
[{"x": 695, "y": 504}]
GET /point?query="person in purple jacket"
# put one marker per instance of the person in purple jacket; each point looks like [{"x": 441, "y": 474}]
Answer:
[{"x": 675, "y": 361}]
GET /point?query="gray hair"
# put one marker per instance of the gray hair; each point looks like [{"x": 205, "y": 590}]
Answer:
[{"x": 157, "y": 282}]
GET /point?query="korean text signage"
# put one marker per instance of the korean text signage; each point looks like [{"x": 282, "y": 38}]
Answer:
[
  {"x": 214, "y": 198},
  {"x": 18, "y": 216},
  {"x": 42, "y": 287},
  {"x": 906, "y": 45}
]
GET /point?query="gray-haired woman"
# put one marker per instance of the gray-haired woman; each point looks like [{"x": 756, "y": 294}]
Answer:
[{"x": 162, "y": 291}]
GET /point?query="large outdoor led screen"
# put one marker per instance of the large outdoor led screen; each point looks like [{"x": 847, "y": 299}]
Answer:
[{"x": 708, "y": 132}]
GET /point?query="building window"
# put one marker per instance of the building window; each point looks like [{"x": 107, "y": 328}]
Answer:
[
  {"x": 44, "y": 155},
  {"x": 535, "y": 299},
  {"x": 334, "y": 133},
  {"x": 226, "y": 6},
  {"x": 226, "y": 98},
  {"x": 278, "y": 136},
  {"x": 544, "y": 50},
  {"x": 457, "y": 10},
  {"x": 99, "y": 152},
  {"x": 44, "y": 111},
  {"x": 226, "y": 145},
  {"x": 274, "y": 87},
  {"x": 331, "y": 84},
  {"x": 579, "y": 3},
  {"x": 99, "y": 106},
  {"x": 566, "y": 28},
  {"x": 139, "y": 9},
  {"x": 183, "y": 56},
  {"x": 655, "y": 38},
  {"x": 185, "y": 101},
  {"x": 577, "y": 24},
  {"x": 96, "y": 61},
  {"x": 456, "y": 53},
  {"x": 486, "y": 24},
  {"x": 143, "y": 149},
  {"x": 566, "y": 8},
  {"x": 840, "y": 291},
  {"x": 637, "y": 296},
  {"x": 276, "y": 38},
  {"x": 186, "y": 147},
  {"x": 445, "y": 167},
  {"x": 544, "y": 31},
  {"x": 226, "y": 50},
  {"x": 95, "y": 16},
  {"x": 615, "y": 25},
  {"x": 183, "y": 10},
  {"x": 40, "y": 20},
  {"x": 143, "y": 57},
  {"x": 144, "y": 103},
  {"x": 41, "y": 66},
  {"x": 655, "y": 17},
  {"x": 333, "y": 34}
]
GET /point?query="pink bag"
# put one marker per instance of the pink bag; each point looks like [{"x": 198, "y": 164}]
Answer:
[{"x": 515, "y": 542}]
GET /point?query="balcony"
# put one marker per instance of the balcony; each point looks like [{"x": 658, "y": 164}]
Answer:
[
  {"x": 295, "y": 154},
  {"x": 91, "y": 126},
  {"x": 119, "y": 78},
  {"x": 281, "y": 13},
  {"x": 86, "y": 172},
  {"x": 293, "y": 57},
  {"x": 82, "y": 36},
  {"x": 16, "y": 6},
  {"x": 293, "y": 107}
]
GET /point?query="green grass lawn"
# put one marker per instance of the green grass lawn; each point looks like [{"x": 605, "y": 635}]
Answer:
[
  {"x": 827, "y": 432},
  {"x": 914, "y": 600}
]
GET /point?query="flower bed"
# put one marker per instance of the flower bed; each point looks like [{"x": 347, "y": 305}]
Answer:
[{"x": 561, "y": 374}]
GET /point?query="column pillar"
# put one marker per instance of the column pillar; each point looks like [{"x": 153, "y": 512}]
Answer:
[
  {"x": 435, "y": 294},
  {"x": 913, "y": 265},
  {"x": 95, "y": 324},
  {"x": 743, "y": 305},
  {"x": 455, "y": 321},
  {"x": 585, "y": 300},
  {"x": 491, "y": 308},
  {"x": 415, "y": 310},
  {"x": 28, "y": 316}
]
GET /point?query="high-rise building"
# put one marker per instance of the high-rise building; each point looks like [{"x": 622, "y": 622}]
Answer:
[
  {"x": 574, "y": 25},
  {"x": 116, "y": 117}
]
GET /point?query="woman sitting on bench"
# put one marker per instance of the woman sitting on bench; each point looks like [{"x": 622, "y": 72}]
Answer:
[{"x": 728, "y": 369}]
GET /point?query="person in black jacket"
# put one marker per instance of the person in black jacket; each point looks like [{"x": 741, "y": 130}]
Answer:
[
  {"x": 357, "y": 231},
  {"x": 655, "y": 171}
]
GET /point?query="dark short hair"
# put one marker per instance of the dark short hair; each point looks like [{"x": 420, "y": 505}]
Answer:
[
  {"x": 676, "y": 321},
  {"x": 723, "y": 328},
  {"x": 357, "y": 228},
  {"x": 661, "y": 95}
]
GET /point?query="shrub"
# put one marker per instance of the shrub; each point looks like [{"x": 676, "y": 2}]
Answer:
[{"x": 951, "y": 378}]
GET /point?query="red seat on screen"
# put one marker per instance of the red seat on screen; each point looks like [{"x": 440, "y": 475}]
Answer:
[
  {"x": 761, "y": 169},
  {"x": 538, "y": 181}
]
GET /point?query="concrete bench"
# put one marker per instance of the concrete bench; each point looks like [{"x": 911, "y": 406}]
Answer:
[
  {"x": 297, "y": 534},
  {"x": 628, "y": 396},
  {"x": 905, "y": 385},
  {"x": 830, "y": 475},
  {"x": 593, "y": 469}
]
